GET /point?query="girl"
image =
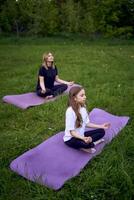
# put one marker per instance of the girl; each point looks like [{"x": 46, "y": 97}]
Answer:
[
  {"x": 76, "y": 121},
  {"x": 48, "y": 74}
]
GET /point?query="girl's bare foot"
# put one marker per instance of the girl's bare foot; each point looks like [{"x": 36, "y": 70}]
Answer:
[
  {"x": 90, "y": 150},
  {"x": 49, "y": 97},
  {"x": 99, "y": 141}
]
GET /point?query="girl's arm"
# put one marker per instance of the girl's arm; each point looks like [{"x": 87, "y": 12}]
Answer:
[
  {"x": 76, "y": 135},
  {"x": 70, "y": 126},
  {"x": 41, "y": 79},
  {"x": 57, "y": 79},
  {"x": 104, "y": 126},
  {"x": 85, "y": 139}
]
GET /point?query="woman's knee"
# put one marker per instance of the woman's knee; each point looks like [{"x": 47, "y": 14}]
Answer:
[
  {"x": 64, "y": 86},
  {"x": 38, "y": 92},
  {"x": 47, "y": 93}
]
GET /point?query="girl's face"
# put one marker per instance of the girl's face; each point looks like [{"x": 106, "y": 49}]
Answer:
[{"x": 81, "y": 97}]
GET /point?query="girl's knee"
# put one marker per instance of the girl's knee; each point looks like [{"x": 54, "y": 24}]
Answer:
[
  {"x": 87, "y": 146},
  {"x": 102, "y": 132}
]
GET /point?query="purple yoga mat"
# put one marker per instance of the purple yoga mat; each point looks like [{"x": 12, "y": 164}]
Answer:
[
  {"x": 52, "y": 163},
  {"x": 27, "y": 100}
]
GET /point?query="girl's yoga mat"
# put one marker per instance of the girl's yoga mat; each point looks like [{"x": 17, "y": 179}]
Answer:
[
  {"x": 52, "y": 163},
  {"x": 27, "y": 100}
]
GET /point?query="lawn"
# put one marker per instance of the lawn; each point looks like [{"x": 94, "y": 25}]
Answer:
[{"x": 105, "y": 68}]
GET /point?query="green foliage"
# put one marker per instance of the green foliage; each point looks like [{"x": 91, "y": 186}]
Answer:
[
  {"x": 70, "y": 17},
  {"x": 113, "y": 18},
  {"x": 44, "y": 18},
  {"x": 47, "y": 17}
]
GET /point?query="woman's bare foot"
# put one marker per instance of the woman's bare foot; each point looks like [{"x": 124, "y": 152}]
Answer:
[
  {"x": 90, "y": 150},
  {"x": 49, "y": 97},
  {"x": 99, "y": 141}
]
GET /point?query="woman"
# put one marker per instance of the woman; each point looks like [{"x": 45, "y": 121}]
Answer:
[{"x": 48, "y": 74}]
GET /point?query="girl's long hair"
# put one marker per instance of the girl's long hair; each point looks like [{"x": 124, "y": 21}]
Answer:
[{"x": 71, "y": 102}]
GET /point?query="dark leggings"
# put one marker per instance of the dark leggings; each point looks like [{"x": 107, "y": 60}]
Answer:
[
  {"x": 78, "y": 143},
  {"x": 56, "y": 90}
]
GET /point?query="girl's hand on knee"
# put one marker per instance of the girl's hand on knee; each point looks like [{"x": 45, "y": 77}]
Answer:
[
  {"x": 106, "y": 125},
  {"x": 87, "y": 139}
]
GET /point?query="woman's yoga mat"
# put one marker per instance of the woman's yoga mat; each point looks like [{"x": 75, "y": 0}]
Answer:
[
  {"x": 52, "y": 163},
  {"x": 27, "y": 100}
]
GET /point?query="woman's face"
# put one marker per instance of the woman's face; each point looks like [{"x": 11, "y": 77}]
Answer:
[
  {"x": 81, "y": 97},
  {"x": 50, "y": 54},
  {"x": 50, "y": 60}
]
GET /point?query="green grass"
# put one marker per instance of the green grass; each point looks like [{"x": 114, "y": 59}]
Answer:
[{"x": 105, "y": 68}]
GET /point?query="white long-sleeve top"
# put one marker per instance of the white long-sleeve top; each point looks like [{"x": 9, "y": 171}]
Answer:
[{"x": 71, "y": 120}]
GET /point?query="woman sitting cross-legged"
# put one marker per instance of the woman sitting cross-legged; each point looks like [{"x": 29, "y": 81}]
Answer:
[{"x": 47, "y": 75}]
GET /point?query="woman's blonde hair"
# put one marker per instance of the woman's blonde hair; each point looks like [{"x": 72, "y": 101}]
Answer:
[{"x": 44, "y": 60}]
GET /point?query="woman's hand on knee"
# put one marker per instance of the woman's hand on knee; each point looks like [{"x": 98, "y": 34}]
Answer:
[
  {"x": 43, "y": 91},
  {"x": 70, "y": 83}
]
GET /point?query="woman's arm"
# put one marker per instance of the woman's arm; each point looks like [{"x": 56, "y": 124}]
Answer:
[
  {"x": 104, "y": 126},
  {"x": 41, "y": 79},
  {"x": 57, "y": 79}
]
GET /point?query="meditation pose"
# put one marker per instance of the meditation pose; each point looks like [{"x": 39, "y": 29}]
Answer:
[
  {"x": 47, "y": 75},
  {"x": 77, "y": 119}
]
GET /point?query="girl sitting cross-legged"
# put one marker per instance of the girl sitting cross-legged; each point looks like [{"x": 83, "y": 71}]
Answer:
[{"x": 77, "y": 119}]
